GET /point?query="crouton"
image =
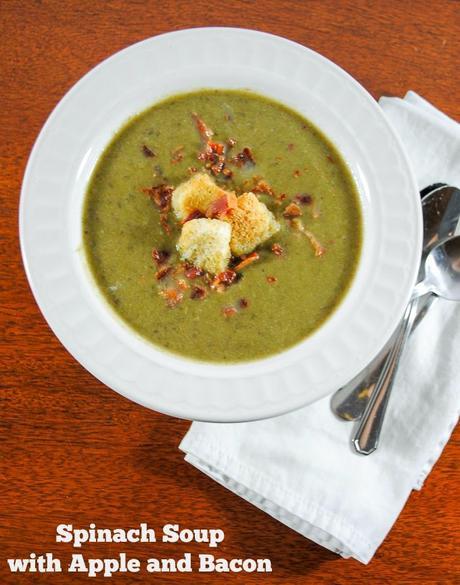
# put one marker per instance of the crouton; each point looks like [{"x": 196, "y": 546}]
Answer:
[
  {"x": 252, "y": 224},
  {"x": 205, "y": 243},
  {"x": 196, "y": 194}
]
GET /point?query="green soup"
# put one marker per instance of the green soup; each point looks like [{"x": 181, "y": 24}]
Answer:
[{"x": 280, "y": 299}]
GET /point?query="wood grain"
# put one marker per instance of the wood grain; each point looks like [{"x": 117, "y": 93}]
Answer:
[{"x": 73, "y": 451}]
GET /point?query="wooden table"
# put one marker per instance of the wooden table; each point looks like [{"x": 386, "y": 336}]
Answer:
[{"x": 75, "y": 452}]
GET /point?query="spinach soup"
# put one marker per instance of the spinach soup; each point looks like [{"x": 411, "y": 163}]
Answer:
[{"x": 222, "y": 226}]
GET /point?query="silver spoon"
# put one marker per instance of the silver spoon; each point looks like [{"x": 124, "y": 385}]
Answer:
[
  {"x": 442, "y": 278},
  {"x": 441, "y": 215}
]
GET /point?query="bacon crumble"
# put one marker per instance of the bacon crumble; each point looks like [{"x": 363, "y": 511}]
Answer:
[
  {"x": 161, "y": 196},
  {"x": 250, "y": 258},
  {"x": 205, "y": 132},
  {"x": 272, "y": 279},
  {"x": 213, "y": 153},
  {"x": 195, "y": 214},
  {"x": 318, "y": 248},
  {"x": 172, "y": 296},
  {"x": 304, "y": 198},
  {"x": 229, "y": 311},
  {"x": 193, "y": 272},
  {"x": 160, "y": 256},
  {"x": 198, "y": 293},
  {"x": 148, "y": 152},
  {"x": 245, "y": 157},
  {"x": 227, "y": 277},
  {"x": 277, "y": 249},
  {"x": 243, "y": 303},
  {"x": 263, "y": 187},
  {"x": 292, "y": 210},
  {"x": 222, "y": 206},
  {"x": 163, "y": 272}
]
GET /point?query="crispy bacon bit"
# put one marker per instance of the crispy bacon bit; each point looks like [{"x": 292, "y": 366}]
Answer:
[
  {"x": 318, "y": 248},
  {"x": 227, "y": 277},
  {"x": 160, "y": 195},
  {"x": 221, "y": 207},
  {"x": 195, "y": 214},
  {"x": 250, "y": 258},
  {"x": 316, "y": 245},
  {"x": 218, "y": 166},
  {"x": 231, "y": 142},
  {"x": 198, "y": 293},
  {"x": 243, "y": 303},
  {"x": 216, "y": 147},
  {"x": 182, "y": 284},
  {"x": 244, "y": 157},
  {"x": 164, "y": 223},
  {"x": 272, "y": 279},
  {"x": 280, "y": 198},
  {"x": 147, "y": 151},
  {"x": 296, "y": 173},
  {"x": 304, "y": 198},
  {"x": 193, "y": 272},
  {"x": 213, "y": 153},
  {"x": 177, "y": 155},
  {"x": 229, "y": 311},
  {"x": 204, "y": 131},
  {"x": 292, "y": 210},
  {"x": 160, "y": 256},
  {"x": 263, "y": 187},
  {"x": 290, "y": 146},
  {"x": 163, "y": 272},
  {"x": 228, "y": 173},
  {"x": 277, "y": 250},
  {"x": 172, "y": 296}
]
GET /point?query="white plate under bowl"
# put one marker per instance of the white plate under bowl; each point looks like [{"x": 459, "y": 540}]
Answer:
[{"x": 68, "y": 148}]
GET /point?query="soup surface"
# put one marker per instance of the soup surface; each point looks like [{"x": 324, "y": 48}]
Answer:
[{"x": 300, "y": 274}]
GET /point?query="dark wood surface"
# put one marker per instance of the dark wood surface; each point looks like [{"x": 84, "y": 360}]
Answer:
[{"x": 73, "y": 451}]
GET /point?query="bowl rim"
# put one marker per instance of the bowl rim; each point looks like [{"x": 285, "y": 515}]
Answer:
[{"x": 194, "y": 367}]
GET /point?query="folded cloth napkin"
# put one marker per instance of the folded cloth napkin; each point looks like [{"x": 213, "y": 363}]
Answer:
[{"x": 300, "y": 468}]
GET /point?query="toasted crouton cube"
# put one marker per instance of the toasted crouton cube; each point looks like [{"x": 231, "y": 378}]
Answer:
[
  {"x": 252, "y": 224},
  {"x": 205, "y": 243},
  {"x": 196, "y": 194}
]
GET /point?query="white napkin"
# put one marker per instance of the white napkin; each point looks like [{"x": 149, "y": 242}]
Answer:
[{"x": 300, "y": 467}]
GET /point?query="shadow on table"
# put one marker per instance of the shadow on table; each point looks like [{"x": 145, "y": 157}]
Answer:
[{"x": 249, "y": 532}]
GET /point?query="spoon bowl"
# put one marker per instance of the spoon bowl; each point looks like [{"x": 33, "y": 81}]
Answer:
[{"x": 442, "y": 271}]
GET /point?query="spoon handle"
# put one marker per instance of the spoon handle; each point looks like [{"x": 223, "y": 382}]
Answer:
[
  {"x": 367, "y": 436},
  {"x": 350, "y": 401}
]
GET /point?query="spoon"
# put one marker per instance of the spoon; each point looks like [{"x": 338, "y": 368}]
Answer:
[
  {"x": 442, "y": 278},
  {"x": 441, "y": 215}
]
